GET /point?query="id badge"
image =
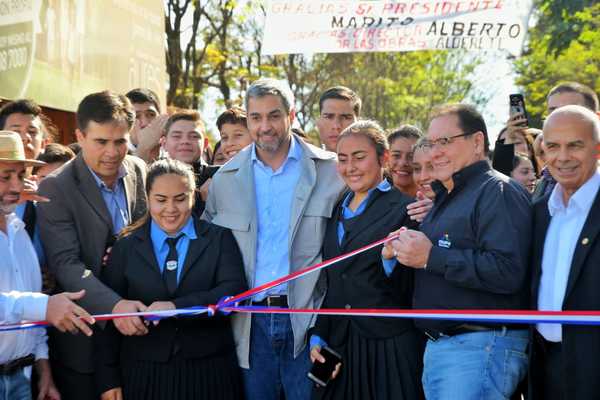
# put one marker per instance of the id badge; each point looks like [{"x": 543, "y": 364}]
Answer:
[{"x": 445, "y": 241}]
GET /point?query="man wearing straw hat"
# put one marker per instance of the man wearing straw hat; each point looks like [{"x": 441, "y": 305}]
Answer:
[{"x": 20, "y": 280}]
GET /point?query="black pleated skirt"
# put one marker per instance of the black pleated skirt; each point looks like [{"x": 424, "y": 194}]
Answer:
[
  {"x": 217, "y": 377},
  {"x": 378, "y": 369}
]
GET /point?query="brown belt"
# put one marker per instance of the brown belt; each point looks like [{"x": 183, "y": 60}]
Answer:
[{"x": 15, "y": 365}]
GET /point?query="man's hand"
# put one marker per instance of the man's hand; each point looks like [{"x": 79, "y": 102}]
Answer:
[
  {"x": 149, "y": 137},
  {"x": 418, "y": 210},
  {"x": 46, "y": 388},
  {"x": 316, "y": 356},
  {"x": 112, "y": 394},
  {"x": 29, "y": 192},
  {"x": 130, "y": 326},
  {"x": 65, "y": 315},
  {"x": 412, "y": 248}
]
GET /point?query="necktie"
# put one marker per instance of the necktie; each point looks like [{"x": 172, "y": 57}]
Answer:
[{"x": 171, "y": 267}]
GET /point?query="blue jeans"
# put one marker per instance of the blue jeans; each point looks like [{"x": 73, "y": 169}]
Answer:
[
  {"x": 475, "y": 366},
  {"x": 273, "y": 369},
  {"x": 15, "y": 387}
]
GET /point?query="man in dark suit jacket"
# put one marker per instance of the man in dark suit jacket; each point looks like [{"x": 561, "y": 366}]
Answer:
[
  {"x": 91, "y": 199},
  {"x": 565, "y": 360}
]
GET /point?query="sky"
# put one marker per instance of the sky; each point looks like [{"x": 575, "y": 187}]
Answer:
[{"x": 496, "y": 77}]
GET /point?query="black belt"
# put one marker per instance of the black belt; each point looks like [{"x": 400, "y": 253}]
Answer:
[
  {"x": 467, "y": 328},
  {"x": 272, "y": 301},
  {"x": 15, "y": 365}
]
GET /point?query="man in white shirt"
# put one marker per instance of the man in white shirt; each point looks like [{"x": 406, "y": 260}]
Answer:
[
  {"x": 20, "y": 272},
  {"x": 566, "y": 358}
]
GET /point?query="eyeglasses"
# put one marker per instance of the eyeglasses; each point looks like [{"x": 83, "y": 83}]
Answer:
[{"x": 443, "y": 141}]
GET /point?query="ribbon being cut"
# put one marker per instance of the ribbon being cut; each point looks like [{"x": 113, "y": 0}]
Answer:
[{"x": 232, "y": 304}]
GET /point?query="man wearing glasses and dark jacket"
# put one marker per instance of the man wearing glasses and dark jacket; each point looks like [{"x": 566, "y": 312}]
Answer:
[{"x": 472, "y": 253}]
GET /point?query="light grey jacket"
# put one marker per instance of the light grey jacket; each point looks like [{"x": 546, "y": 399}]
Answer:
[{"x": 231, "y": 203}]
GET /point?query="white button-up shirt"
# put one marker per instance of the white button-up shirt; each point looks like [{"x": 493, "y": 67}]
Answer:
[
  {"x": 20, "y": 271},
  {"x": 16, "y": 306},
  {"x": 561, "y": 239}
]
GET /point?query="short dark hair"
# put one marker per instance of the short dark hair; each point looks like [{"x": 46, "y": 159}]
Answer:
[
  {"x": 469, "y": 120},
  {"x": 590, "y": 98},
  {"x": 55, "y": 153},
  {"x": 405, "y": 132},
  {"x": 341, "y": 93},
  {"x": 143, "y": 95},
  {"x": 214, "y": 152},
  {"x": 184, "y": 115},
  {"x": 103, "y": 107},
  {"x": 21, "y": 106},
  {"x": 75, "y": 147},
  {"x": 234, "y": 116}
]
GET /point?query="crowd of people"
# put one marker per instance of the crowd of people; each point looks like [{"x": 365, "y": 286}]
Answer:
[{"x": 140, "y": 215}]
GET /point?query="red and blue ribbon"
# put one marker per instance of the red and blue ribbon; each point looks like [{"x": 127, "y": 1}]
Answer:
[{"x": 231, "y": 304}]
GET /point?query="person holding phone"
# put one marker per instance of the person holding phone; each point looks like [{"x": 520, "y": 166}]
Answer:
[
  {"x": 171, "y": 260},
  {"x": 380, "y": 357}
]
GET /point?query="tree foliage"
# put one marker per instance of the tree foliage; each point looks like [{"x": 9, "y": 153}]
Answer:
[
  {"x": 543, "y": 65},
  {"x": 556, "y": 21}
]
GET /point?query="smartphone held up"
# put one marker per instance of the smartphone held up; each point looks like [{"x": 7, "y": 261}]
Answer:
[{"x": 517, "y": 107}]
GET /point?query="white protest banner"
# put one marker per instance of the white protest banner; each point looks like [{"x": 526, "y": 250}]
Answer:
[{"x": 334, "y": 26}]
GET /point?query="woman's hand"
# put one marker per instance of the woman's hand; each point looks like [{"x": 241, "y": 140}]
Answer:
[
  {"x": 418, "y": 210},
  {"x": 514, "y": 127},
  {"x": 160, "y": 306},
  {"x": 316, "y": 356},
  {"x": 388, "y": 251},
  {"x": 112, "y": 394}
]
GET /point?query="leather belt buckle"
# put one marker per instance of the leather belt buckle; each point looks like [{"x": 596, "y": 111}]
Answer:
[
  {"x": 272, "y": 301},
  {"x": 276, "y": 301}
]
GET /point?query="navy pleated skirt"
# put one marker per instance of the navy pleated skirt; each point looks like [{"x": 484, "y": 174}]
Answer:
[
  {"x": 378, "y": 369},
  {"x": 216, "y": 377}
]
